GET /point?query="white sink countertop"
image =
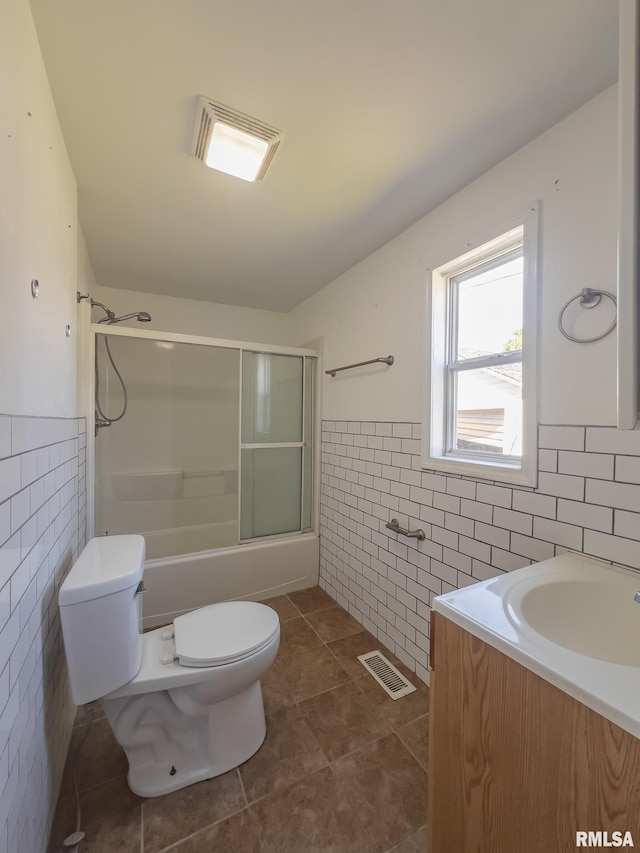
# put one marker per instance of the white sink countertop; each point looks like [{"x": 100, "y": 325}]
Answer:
[{"x": 571, "y": 620}]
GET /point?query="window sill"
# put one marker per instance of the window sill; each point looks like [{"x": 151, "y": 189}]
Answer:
[{"x": 481, "y": 470}]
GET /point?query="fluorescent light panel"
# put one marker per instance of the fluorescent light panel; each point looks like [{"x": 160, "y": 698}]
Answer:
[
  {"x": 235, "y": 152},
  {"x": 233, "y": 142}
]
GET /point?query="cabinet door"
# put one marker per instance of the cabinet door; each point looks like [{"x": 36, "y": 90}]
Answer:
[{"x": 515, "y": 764}]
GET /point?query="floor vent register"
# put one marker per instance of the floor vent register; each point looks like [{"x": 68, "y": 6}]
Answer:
[{"x": 386, "y": 674}]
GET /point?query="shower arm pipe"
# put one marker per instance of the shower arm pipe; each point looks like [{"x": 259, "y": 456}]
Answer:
[
  {"x": 387, "y": 359},
  {"x": 109, "y": 314}
]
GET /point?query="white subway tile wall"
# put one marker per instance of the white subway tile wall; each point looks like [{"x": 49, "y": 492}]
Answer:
[
  {"x": 587, "y": 500},
  {"x": 42, "y": 530}
]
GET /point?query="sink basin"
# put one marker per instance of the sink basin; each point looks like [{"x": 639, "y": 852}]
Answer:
[
  {"x": 596, "y": 618},
  {"x": 572, "y": 620}
]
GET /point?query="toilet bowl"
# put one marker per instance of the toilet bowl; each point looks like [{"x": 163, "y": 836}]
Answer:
[{"x": 184, "y": 701}]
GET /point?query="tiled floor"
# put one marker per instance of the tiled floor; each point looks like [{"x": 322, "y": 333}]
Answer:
[{"x": 342, "y": 769}]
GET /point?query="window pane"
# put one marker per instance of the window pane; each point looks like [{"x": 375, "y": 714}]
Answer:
[
  {"x": 488, "y": 410},
  {"x": 490, "y": 308}
]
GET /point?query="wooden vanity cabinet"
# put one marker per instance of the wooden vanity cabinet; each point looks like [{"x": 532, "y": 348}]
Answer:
[{"x": 515, "y": 764}]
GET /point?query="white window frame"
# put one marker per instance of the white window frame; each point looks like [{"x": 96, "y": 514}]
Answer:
[{"x": 520, "y": 230}]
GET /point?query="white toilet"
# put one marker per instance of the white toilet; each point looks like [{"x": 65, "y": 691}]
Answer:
[{"x": 185, "y": 701}]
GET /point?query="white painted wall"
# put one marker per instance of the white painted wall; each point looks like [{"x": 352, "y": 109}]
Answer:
[
  {"x": 192, "y": 317},
  {"x": 42, "y": 456},
  {"x": 38, "y": 231},
  {"x": 377, "y": 307}
]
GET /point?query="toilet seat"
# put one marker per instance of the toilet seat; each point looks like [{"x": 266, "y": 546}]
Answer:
[{"x": 223, "y": 633}]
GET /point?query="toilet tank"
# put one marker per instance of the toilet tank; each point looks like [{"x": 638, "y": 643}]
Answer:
[{"x": 101, "y": 615}]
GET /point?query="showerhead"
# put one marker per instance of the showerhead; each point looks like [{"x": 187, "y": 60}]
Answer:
[
  {"x": 110, "y": 318},
  {"x": 140, "y": 316}
]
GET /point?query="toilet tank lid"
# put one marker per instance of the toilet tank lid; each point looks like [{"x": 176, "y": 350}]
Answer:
[{"x": 107, "y": 564}]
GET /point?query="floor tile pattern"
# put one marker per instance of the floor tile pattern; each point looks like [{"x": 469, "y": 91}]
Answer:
[{"x": 342, "y": 768}]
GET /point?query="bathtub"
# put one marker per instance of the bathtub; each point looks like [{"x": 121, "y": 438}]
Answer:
[{"x": 254, "y": 572}]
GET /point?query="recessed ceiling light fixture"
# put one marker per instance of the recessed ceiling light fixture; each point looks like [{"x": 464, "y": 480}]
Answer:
[{"x": 233, "y": 142}]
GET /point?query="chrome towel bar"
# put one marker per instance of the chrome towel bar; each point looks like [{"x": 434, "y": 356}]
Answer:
[
  {"x": 387, "y": 359},
  {"x": 412, "y": 534}
]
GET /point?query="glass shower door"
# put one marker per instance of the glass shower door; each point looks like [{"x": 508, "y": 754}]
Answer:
[
  {"x": 169, "y": 468},
  {"x": 275, "y": 448}
]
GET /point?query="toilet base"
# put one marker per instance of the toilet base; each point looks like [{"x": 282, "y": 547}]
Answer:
[{"x": 172, "y": 741}]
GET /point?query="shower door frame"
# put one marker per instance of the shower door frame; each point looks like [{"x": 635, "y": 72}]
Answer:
[
  {"x": 315, "y": 496},
  {"x": 222, "y": 343}
]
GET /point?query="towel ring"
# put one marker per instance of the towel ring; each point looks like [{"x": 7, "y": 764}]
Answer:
[{"x": 589, "y": 298}]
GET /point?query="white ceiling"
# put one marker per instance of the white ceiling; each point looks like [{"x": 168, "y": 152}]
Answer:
[{"x": 387, "y": 106}]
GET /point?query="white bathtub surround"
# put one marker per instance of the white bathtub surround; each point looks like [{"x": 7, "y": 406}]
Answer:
[
  {"x": 42, "y": 528},
  {"x": 587, "y": 500}
]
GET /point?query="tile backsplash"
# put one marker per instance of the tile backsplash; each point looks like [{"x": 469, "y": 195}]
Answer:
[
  {"x": 587, "y": 500},
  {"x": 42, "y": 529}
]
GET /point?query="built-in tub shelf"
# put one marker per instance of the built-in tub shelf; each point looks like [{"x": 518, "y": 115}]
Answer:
[{"x": 172, "y": 485}]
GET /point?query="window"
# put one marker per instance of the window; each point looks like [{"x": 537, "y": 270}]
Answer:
[{"x": 481, "y": 417}]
